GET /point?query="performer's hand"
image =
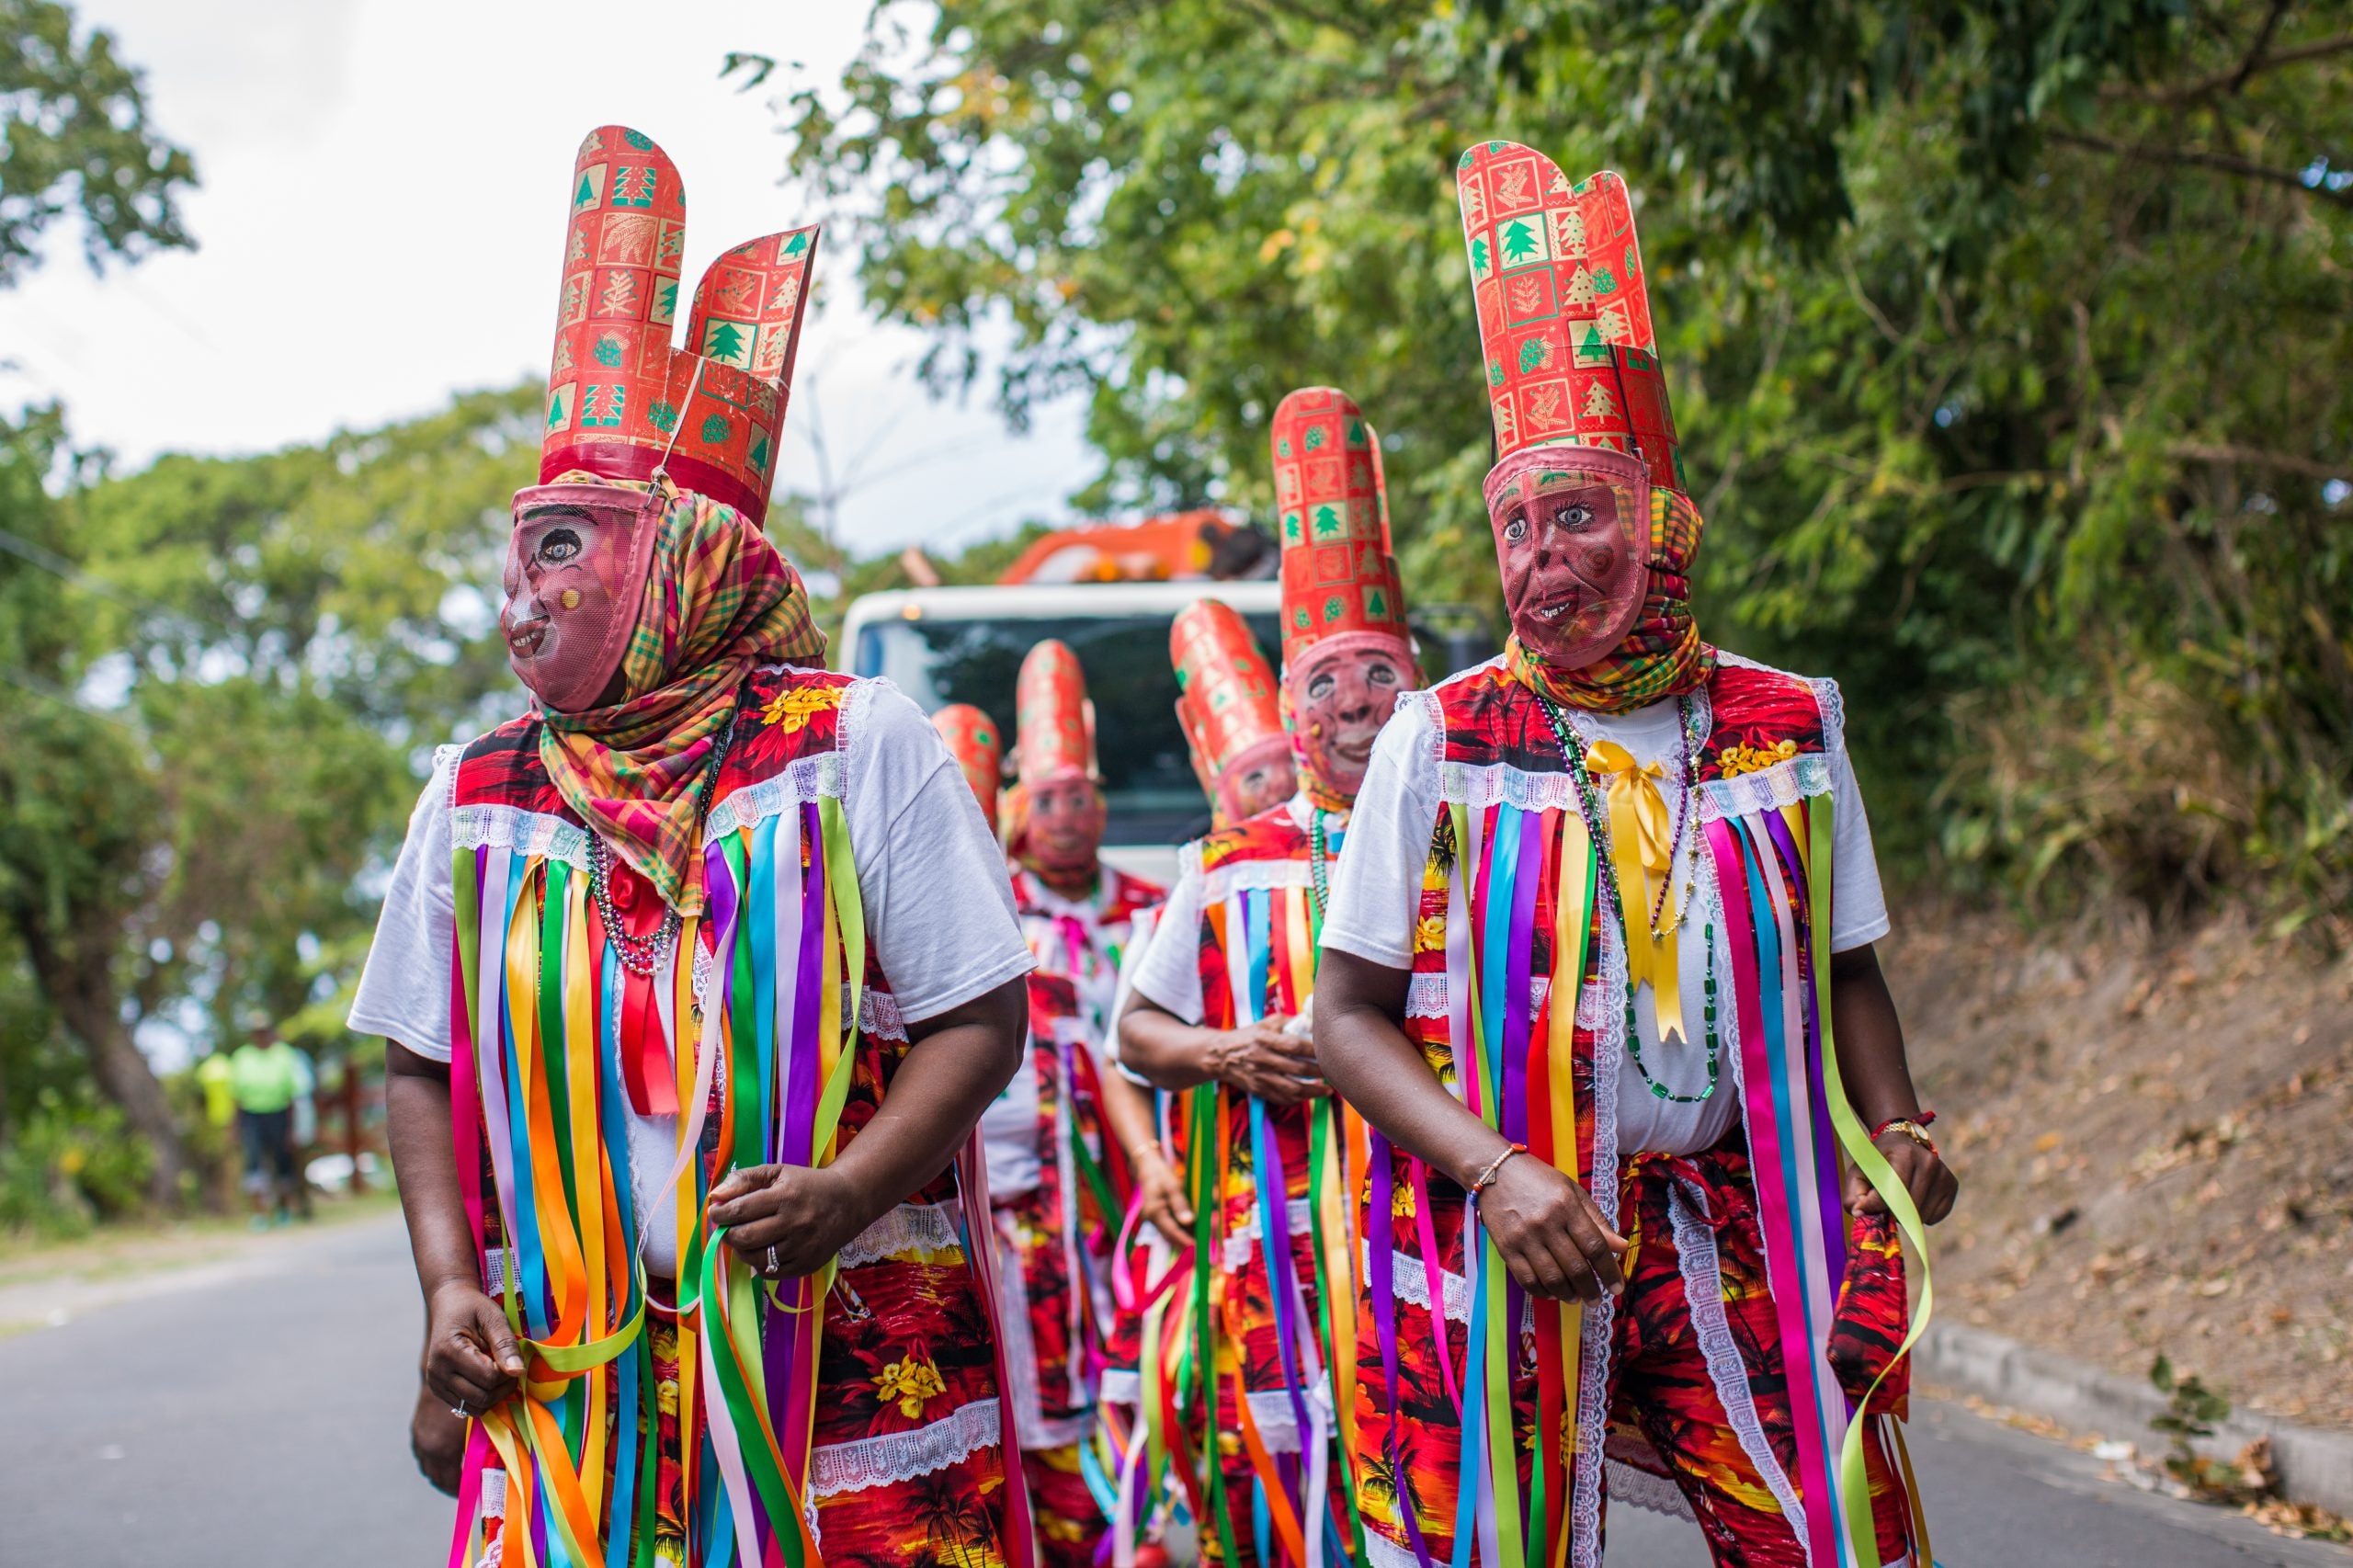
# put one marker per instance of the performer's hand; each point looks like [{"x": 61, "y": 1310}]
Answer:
[
  {"x": 1162, "y": 1192},
  {"x": 801, "y": 1214},
  {"x": 1924, "y": 1173},
  {"x": 470, "y": 1356},
  {"x": 1260, "y": 1059},
  {"x": 1554, "y": 1240},
  {"x": 437, "y": 1437}
]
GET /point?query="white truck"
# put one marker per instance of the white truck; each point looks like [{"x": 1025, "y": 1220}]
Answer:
[{"x": 943, "y": 645}]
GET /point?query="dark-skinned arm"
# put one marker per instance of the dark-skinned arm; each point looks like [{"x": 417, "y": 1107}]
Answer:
[
  {"x": 471, "y": 1359},
  {"x": 958, "y": 1062},
  {"x": 1126, "y": 1112},
  {"x": 1879, "y": 1084},
  {"x": 1551, "y": 1236},
  {"x": 436, "y": 1439},
  {"x": 1259, "y": 1059}
]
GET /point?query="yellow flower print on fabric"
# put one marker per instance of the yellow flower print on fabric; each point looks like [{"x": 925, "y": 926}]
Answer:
[
  {"x": 1733, "y": 761},
  {"x": 790, "y": 710},
  {"x": 910, "y": 1383},
  {"x": 1429, "y": 936}
]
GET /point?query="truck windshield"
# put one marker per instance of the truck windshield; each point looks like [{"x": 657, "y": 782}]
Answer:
[{"x": 1147, "y": 781}]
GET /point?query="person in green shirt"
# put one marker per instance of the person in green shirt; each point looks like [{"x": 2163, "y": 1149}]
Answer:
[
  {"x": 265, "y": 1076},
  {"x": 212, "y": 1077}
]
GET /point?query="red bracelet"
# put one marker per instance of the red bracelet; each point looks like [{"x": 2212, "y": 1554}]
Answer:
[{"x": 1912, "y": 1127}]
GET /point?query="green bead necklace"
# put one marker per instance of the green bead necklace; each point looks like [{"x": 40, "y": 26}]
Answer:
[{"x": 1589, "y": 808}]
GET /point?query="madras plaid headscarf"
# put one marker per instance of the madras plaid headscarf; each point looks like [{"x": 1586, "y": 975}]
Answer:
[
  {"x": 1662, "y": 655},
  {"x": 721, "y": 600}
]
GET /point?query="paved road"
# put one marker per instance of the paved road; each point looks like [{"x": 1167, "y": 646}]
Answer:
[{"x": 259, "y": 1417}]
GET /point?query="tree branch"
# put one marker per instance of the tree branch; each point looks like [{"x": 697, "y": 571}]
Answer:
[
  {"x": 2203, "y": 158},
  {"x": 2255, "y": 457},
  {"x": 2263, "y": 37},
  {"x": 2237, "y": 76}
]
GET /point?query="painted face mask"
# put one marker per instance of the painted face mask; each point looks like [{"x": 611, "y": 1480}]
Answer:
[
  {"x": 1573, "y": 544},
  {"x": 1341, "y": 690},
  {"x": 1259, "y": 780},
  {"x": 577, "y": 568},
  {"x": 1065, "y": 825}
]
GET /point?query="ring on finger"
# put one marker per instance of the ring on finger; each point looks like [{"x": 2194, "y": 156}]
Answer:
[{"x": 776, "y": 1266}]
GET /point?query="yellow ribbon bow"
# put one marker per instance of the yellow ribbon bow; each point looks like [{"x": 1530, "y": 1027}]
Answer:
[{"x": 1641, "y": 853}]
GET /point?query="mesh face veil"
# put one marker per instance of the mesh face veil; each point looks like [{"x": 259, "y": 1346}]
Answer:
[
  {"x": 576, "y": 567},
  {"x": 1573, "y": 535}
]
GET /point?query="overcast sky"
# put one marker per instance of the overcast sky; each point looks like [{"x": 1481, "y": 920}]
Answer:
[{"x": 381, "y": 219}]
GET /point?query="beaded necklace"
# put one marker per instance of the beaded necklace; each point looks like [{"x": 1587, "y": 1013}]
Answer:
[
  {"x": 1589, "y": 808},
  {"x": 1317, "y": 853}
]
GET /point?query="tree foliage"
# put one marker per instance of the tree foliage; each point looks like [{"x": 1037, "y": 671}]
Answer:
[
  {"x": 2007, "y": 340},
  {"x": 74, "y": 137},
  {"x": 226, "y": 674}
]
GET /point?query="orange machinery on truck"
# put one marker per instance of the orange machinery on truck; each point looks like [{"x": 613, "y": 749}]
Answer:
[
  {"x": 1182, "y": 545},
  {"x": 1111, "y": 592}
]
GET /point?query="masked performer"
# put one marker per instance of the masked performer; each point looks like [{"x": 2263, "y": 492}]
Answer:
[
  {"x": 696, "y": 974},
  {"x": 1230, "y": 711},
  {"x": 1236, "y": 1387},
  {"x": 1074, "y": 907},
  {"x": 1598, "y": 972},
  {"x": 1060, "y": 1188}
]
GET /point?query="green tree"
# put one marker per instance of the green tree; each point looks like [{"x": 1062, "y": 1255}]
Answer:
[
  {"x": 74, "y": 137},
  {"x": 725, "y": 342},
  {"x": 2005, "y": 340},
  {"x": 280, "y": 640}
]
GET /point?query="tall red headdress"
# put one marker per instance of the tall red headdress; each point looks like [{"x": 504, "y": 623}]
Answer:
[
  {"x": 1226, "y": 700},
  {"x": 1053, "y": 723},
  {"x": 1339, "y": 576},
  {"x": 972, "y": 741},
  {"x": 621, "y": 402},
  {"x": 1565, "y": 313}
]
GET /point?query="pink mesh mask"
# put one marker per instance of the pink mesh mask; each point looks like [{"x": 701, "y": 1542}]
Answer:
[
  {"x": 1339, "y": 691},
  {"x": 1064, "y": 831},
  {"x": 577, "y": 569},
  {"x": 1260, "y": 777},
  {"x": 1573, "y": 540}
]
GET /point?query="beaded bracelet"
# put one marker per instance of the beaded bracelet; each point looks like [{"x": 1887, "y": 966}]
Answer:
[{"x": 1488, "y": 1175}]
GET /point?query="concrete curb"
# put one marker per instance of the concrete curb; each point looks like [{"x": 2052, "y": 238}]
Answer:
[{"x": 2315, "y": 1467}]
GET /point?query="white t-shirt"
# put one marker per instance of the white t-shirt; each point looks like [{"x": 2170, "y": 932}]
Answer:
[
  {"x": 1377, "y": 889},
  {"x": 1140, "y": 934},
  {"x": 924, "y": 855},
  {"x": 1168, "y": 971}
]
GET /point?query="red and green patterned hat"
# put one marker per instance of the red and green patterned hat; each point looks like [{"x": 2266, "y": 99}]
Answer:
[
  {"x": 1333, "y": 512},
  {"x": 972, "y": 741},
  {"x": 1227, "y": 700},
  {"x": 621, "y": 402},
  {"x": 1053, "y": 725},
  {"x": 1564, "y": 311}
]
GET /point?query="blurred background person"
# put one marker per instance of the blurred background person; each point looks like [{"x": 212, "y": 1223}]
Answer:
[{"x": 266, "y": 1076}]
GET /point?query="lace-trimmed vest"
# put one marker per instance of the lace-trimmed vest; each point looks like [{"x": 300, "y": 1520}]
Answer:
[
  {"x": 1493, "y": 960},
  {"x": 1265, "y": 1179},
  {"x": 891, "y": 1373}
]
